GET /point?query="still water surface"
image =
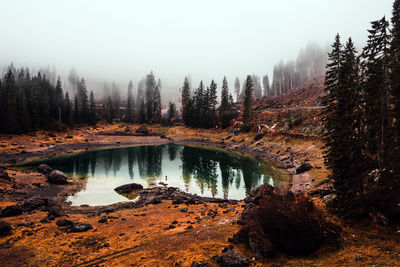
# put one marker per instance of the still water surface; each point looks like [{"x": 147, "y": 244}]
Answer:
[{"x": 196, "y": 170}]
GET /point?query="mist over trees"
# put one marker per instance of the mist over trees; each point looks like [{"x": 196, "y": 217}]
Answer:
[
  {"x": 35, "y": 103},
  {"x": 309, "y": 64}
]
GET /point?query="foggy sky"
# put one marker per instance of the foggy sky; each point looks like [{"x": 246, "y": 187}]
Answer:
[{"x": 123, "y": 40}]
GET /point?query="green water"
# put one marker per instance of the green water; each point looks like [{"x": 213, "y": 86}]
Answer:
[{"x": 201, "y": 171}]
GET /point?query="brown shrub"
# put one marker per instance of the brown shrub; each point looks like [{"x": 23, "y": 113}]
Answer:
[{"x": 282, "y": 222}]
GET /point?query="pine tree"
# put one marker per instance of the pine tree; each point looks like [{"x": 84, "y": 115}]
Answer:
[
  {"x": 225, "y": 113},
  {"x": 10, "y": 100},
  {"x": 77, "y": 115},
  {"x": 266, "y": 86},
  {"x": 92, "y": 114},
  {"x": 343, "y": 138},
  {"x": 129, "y": 104},
  {"x": 237, "y": 89},
  {"x": 247, "y": 102},
  {"x": 375, "y": 66},
  {"x": 212, "y": 105},
  {"x": 59, "y": 100},
  {"x": 116, "y": 99},
  {"x": 172, "y": 113},
  {"x": 157, "y": 105},
  {"x": 150, "y": 87},
  {"x": 109, "y": 111},
  {"x": 395, "y": 65},
  {"x": 68, "y": 114},
  {"x": 83, "y": 101},
  {"x": 185, "y": 99}
]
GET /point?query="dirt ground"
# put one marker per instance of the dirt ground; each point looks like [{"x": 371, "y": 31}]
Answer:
[{"x": 138, "y": 236}]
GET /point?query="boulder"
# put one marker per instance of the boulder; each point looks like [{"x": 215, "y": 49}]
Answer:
[
  {"x": 303, "y": 168},
  {"x": 35, "y": 203},
  {"x": 5, "y": 228},
  {"x": 142, "y": 130},
  {"x": 128, "y": 188},
  {"x": 232, "y": 258},
  {"x": 80, "y": 227},
  {"x": 57, "y": 177},
  {"x": 11, "y": 211},
  {"x": 45, "y": 169},
  {"x": 64, "y": 222}
]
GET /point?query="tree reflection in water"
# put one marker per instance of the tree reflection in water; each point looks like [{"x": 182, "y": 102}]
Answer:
[{"x": 193, "y": 169}]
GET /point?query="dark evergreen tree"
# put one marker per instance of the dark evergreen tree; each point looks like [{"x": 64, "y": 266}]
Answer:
[
  {"x": 185, "y": 100},
  {"x": 157, "y": 105},
  {"x": 150, "y": 87},
  {"x": 77, "y": 118},
  {"x": 247, "y": 102},
  {"x": 225, "y": 110},
  {"x": 10, "y": 104},
  {"x": 68, "y": 114},
  {"x": 212, "y": 105},
  {"x": 172, "y": 112},
  {"x": 92, "y": 114},
  {"x": 130, "y": 104}
]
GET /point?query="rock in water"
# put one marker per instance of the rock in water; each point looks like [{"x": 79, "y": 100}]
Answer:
[
  {"x": 231, "y": 258},
  {"x": 81, "y": 227},
  {"x": 142, "y": 130},
  {"x": 5, "y": 228},
  {"x": 128, "y": 188},
  {"x": 45, "y": 169},
  {"x": 303, "y": 168},
  {"x": 57, "y": 177}
]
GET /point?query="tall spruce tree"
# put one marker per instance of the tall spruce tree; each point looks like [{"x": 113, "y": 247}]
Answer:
[
  {"x": 185, "y": 101},
  {"x": 92, "y": 114},
  {"x": 68, "y": 114},
  {"x": 247, "y": 102},
  {"x": 10, "y": 100},
  {"x": 130, "y": 104},
  {"x": 157, "y": 104},
  {"x": 266, "y": 86},
  {"x": 150, "y": 87},
  {"x": 212, "y": 105},
  {"x": 225, "y": 113}
]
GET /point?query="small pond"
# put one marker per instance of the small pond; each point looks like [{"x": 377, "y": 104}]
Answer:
[{"x": 196, "y": 170}]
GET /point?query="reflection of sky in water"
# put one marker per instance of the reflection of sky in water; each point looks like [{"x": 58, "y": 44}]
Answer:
[{"x": 198, "y": 171}]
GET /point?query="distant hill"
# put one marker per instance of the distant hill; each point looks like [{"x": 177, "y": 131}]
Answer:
[{"x": 307, "y": 94}]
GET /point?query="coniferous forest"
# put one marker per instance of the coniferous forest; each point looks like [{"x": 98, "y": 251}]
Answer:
[
  {"x": 362, "y": 122},
  {"x": 280, "y": 148}
]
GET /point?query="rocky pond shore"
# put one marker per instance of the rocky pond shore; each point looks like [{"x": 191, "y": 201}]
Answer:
[{"x": 165, "y": 226}]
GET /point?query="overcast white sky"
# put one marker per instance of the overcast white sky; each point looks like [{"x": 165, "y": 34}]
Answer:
[{"x": 123, "y": 40}]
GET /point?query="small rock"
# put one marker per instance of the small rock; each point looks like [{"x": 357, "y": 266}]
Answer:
[
  {"x": 81, "y": 227},
  {"x": 303, "y": 168},
  {"x": 5, "y": 228},
  {"x": 64, "y": 222},
  {"x": 184, "y": 209},
  {"x": 232, "y": 258},
  {"x": 45, "y": 169},
  {"x": 57, "y": 177}
]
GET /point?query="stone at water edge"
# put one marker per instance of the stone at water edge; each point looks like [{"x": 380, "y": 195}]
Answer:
[
  {"x": 303, "y": 168},
  {"x": 128, "y": 188},
  {"x": 57, "y": 177},
  {"x": 45, "y": 169}
]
